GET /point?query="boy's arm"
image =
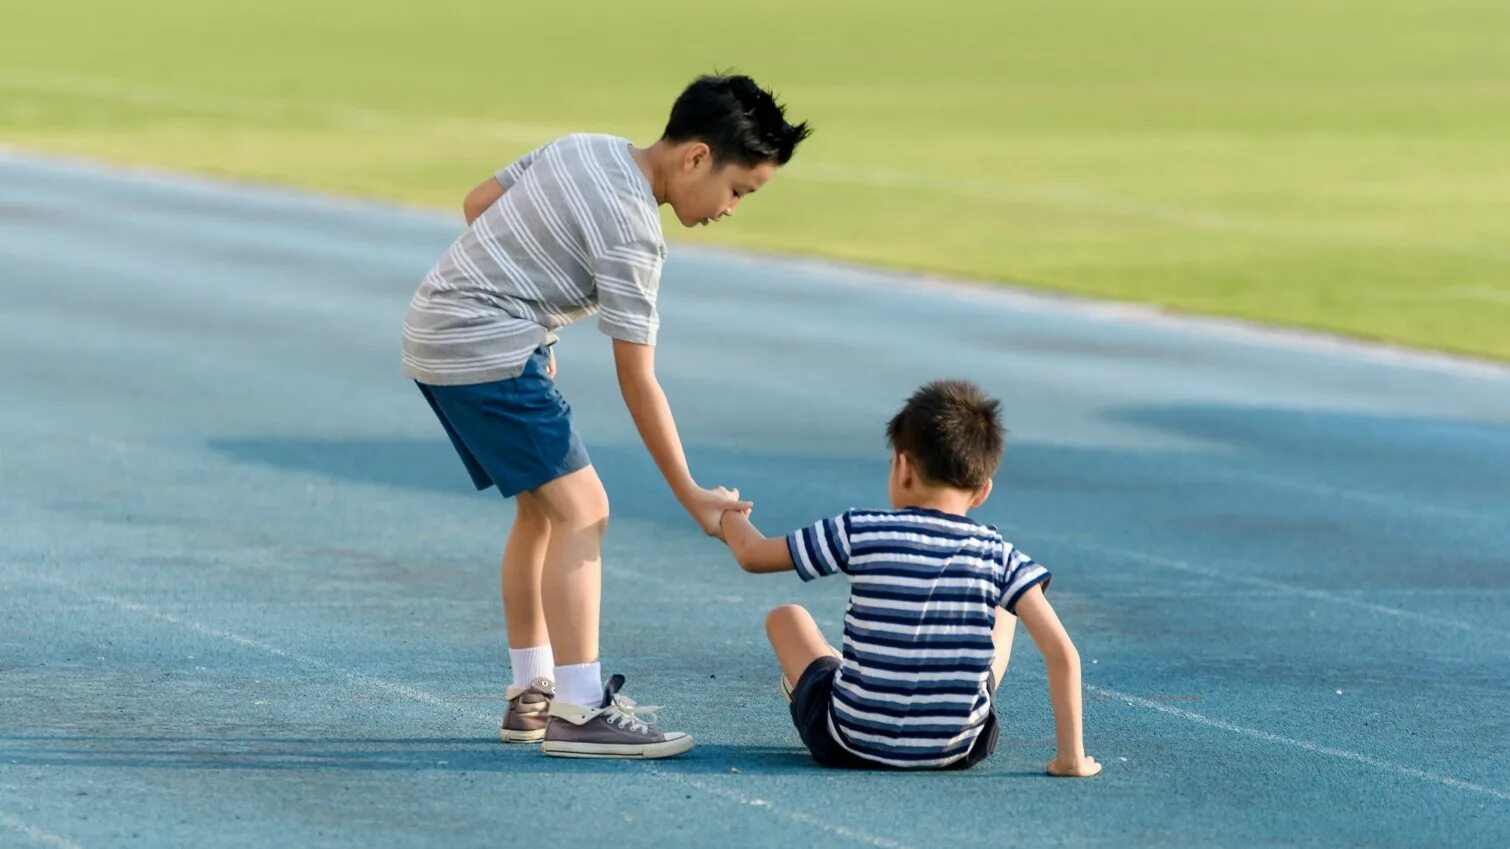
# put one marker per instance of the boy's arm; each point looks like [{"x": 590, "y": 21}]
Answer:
[
  {"x": 1062, "y": 662},
  {"x": 753, "y": 551},
  {"x": 651, "y": 412},
  {"x": 487, "y": 193},
  {"x": 484, "y": 195}
]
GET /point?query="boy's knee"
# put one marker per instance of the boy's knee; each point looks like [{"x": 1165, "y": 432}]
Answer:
[
  {"x": 585, "y": 508},
  {"x": 595, "y": 514},
  {"x": 783, "y": 615}
]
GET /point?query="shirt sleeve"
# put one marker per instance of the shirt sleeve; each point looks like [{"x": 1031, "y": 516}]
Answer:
[
  {"x": 510, "y": 175},
  {"x": 627, "y": 278},
  {"x": 820, "y": 549},
  {"x": 1020, "y": 574}
]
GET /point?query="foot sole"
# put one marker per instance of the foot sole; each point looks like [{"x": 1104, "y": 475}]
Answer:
[
  {"x": 646, "y": 751},
  {"x": 510, "y": 736}
]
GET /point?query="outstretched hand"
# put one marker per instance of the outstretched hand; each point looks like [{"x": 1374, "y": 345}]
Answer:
[{"x": 707, "y": 507}]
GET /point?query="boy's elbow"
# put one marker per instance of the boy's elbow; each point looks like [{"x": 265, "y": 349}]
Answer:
[
  {"x": 743, "y": 558},
  {"x": 631, "y": 386},
  {"x": 1064, "y": 657}
]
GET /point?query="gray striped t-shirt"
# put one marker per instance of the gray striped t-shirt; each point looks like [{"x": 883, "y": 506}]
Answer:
[{"x": 576, "y": 232}]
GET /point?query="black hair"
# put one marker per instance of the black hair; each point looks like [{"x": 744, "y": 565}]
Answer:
[
  {"x": 953, "y": 433},
  {"x": 737, "y": 119}
]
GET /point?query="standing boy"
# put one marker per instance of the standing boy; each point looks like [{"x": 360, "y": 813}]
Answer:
[{"x": 567, "y": 231}]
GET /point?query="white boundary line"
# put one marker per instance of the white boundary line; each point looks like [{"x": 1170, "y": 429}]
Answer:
[
  {"x": 798, "y": 816},
  {"x": 525, "y": 132},
  {"x": 1377, "y": 499},
  {"x": 1376, "y": 763},
  {"x": 44, "y": 837},
  {"x": 429, "y": 698},
  {"x": 1278, "y": 586},
  {"x": 795, "y": 816},
  {"x": 1269, "y": 737}
]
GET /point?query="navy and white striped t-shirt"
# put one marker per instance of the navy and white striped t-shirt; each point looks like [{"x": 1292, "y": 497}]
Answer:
[{"x": 913, "y": 690}]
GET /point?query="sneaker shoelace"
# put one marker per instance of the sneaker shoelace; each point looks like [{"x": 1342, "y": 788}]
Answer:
[{"x": 623, "y": 711}]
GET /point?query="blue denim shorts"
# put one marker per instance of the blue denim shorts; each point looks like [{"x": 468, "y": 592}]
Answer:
[{"x": 514, "y": 434}]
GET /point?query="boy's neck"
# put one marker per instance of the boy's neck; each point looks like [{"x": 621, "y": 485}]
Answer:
[
  {"x": 655, "y": 162},
  {"x": 950, "y": 501}
]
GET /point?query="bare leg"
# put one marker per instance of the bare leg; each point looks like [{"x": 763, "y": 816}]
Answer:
[
  {"x": 572, "y": 580},
  {"x": 1002, "y": 634},
  {"x": 796, "y": 638},
  {"x": 523, "y": 561}
]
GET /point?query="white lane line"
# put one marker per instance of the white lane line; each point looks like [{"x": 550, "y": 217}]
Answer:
[
  {"x": 1278, "y": 586},
  {"x": 1270, "y": 737},
  {"x": 1090, "y": 544},
  {"x": 1316, "y": 748},
  {"x": 46, "y": 838},
  {"x": 796, "y": 816},
  {"x": 440, "y": 701},
  {"x": 1363, "y": 496}
]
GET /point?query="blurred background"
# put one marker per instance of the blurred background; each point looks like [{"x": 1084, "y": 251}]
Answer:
[{"x": 1331, "y": 164}]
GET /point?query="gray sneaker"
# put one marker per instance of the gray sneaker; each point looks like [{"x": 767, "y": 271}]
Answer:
[
  {"x": 527, "y": 712},
  {"x": 618, "y": 728}
]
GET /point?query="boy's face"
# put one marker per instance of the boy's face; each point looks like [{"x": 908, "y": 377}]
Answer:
[{"x": 703, "y": 191}]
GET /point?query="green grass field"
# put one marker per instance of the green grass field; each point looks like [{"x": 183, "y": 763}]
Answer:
[{"x": 1332, "y": 164}]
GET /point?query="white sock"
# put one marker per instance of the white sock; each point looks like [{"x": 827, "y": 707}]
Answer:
[
  {"x": 529, "y": 664},
  {"x": 580, "y": 684}
]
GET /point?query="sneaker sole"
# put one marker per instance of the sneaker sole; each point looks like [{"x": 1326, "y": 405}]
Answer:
[
  {"x": 509, "y": 736},
  {"x": 668, "y": 749}
]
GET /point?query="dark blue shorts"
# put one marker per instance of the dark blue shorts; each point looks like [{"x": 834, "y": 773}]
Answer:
[
  {"x": 810, "y": 708},
  {"x": 514, "y": 434}
]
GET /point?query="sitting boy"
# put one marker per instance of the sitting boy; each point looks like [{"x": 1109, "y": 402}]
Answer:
[{"x": 934, "y": 599}]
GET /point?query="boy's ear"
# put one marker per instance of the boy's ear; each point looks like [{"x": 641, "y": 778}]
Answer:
[
  {"x": 695, "y": 155},
  {"x": 904, "y": 468},
  {"x": 981, "y": 495}
]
